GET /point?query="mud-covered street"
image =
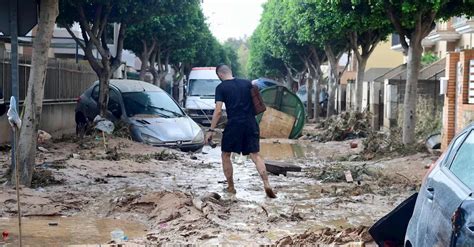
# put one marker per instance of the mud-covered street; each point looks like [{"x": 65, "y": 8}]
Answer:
[{"x": 155, "y": 195}]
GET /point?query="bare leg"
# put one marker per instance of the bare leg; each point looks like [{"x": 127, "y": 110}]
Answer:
[
  {"x": 262, "y": 170},
  {"x": 228, "y": 171}
]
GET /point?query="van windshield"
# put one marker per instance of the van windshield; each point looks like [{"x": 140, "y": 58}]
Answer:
[{"x": 203, "y": 87}]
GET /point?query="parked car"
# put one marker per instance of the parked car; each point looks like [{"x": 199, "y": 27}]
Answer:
[
  {"x": 302, "y": 93},
  {"x": 263, "y": 83},
  {"x": 444, "y": 210},
  {"x": 152, "y": 115}
]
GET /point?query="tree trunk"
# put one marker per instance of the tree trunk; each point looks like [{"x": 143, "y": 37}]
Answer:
[
  {"x": 361, "y": 65},
  {"x": 163, "y": 72},
  {"x": 309, "y": 90},
  {"x": 34, "y": 98},
  {"x": 317, "y": 106},
  {"x": 289, "y": 81},
  {"x": 332, "y": 94},
  {"x": 153, "y": 68},
  {"x": 333, "y": 79},
  {"x": 144, "y": 58},
  {"x": 409, "y": 105},
  {"x": 104, "y": 78}
]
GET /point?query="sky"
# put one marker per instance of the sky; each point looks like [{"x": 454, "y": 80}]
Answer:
[{"x": 232, "y": 18}]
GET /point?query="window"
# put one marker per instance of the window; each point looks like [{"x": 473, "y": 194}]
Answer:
[
  {"x": 454, "y": 148},
  {"x": 463, "y": 165},
  {"x": 95, "y": 93},
  {"x": 151, "y": 104},
  {"x": 203, "y": 87},
  {"x": 114, "y": 104}
]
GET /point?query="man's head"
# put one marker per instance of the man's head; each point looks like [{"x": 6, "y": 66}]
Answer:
[{"x": 224, "y": 72}]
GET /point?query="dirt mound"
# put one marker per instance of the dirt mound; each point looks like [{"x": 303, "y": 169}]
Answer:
[
  {"x": 161, "y": 207},
  {"x": 328, "y": 236}
]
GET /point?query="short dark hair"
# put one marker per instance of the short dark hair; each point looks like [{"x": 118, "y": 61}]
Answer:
[
  {"x": 219, "y": 66},
  {"x": 223, "y": 69}
]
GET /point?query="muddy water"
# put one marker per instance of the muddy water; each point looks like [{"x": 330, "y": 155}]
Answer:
[
  {"x": 69, "y": 230},
  {"x": 103, "y": 182}
]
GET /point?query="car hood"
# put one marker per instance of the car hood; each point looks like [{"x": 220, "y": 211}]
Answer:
[{"x": 167, "y": 129}]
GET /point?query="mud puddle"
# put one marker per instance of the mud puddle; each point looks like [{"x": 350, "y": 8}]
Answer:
[{"x": 64, "y": 231}]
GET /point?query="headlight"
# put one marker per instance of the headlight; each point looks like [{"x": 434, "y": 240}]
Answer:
[
  {"x": 199, "y": 138},
  {"x": 150, "y": 139}
]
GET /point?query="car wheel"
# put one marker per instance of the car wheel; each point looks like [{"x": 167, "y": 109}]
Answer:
[{"x": 81, "y": 125}]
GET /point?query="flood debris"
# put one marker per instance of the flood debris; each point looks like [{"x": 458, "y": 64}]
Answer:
[
  {"x": 43, "y": 136},
  {"x": 277, "y": 168},
  {"x": 347, "y": 237},
  {"x": 336, "y": 173},
  {"x": 348, "y": 175},
  {"x": 44, "y": 177},
  {"x": 379, "y": 144},
  {"x": 345, "y": 126}
]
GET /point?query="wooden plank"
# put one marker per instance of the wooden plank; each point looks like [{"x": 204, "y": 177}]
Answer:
[
  {"x": 276, "y": 124},
  {"x": 277, "y": 167}
]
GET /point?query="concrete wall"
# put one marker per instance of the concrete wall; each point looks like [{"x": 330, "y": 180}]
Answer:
[
  {"x": 376, "y": 105},
  {"x": 341, "y": 98},
  {"x": 428, "y": 91},
  {"x": 350, "y": 96},
  {"x": 57, "y": 119},
  {"x": 390, "y": 105}
]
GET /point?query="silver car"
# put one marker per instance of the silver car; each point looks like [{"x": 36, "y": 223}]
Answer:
[
  {"x": 444, "y": 210},
  {"x": 152, "y": 115}
]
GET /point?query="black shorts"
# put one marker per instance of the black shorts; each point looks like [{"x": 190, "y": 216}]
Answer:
[{"x": 241, "y": 137}]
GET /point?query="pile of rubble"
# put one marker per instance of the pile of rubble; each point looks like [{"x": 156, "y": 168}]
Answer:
[{"x": 345, "y": 126}]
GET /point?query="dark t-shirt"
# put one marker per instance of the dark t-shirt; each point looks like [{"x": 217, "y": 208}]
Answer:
[{"x": 236, "y": 96}]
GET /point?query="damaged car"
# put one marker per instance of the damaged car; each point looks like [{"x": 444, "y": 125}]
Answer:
[
  {"x": 152, "y": 116},
  {"x": 442, "y": 212},
  {"x": 444, "y": 209}
]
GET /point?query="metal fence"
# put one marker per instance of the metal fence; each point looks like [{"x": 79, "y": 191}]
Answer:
[{"x": 65, "y": 79}]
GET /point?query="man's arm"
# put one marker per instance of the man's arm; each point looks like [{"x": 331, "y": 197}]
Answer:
[
  {"x": 217, "y": 114},
  {"x": 215, "y": 120}
]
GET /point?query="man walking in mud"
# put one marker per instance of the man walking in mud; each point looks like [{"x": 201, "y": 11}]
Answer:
[{"x": 241, "y": 134}]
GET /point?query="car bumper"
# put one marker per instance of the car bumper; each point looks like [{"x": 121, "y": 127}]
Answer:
[{"x": 188, "y": 147}]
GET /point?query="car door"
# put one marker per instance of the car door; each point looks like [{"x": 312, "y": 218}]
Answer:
[
  {"x": 447, "y": 188},
  {"x": 114, "y": 106},
  {"x": 92, "y": 104},
  {"x": 463, "y": 168}
]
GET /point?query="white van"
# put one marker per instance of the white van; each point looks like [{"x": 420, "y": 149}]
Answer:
[{"x": 200, "y": 94}]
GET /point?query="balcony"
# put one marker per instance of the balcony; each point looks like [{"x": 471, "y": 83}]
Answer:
[
  {"x": 444, "y": 31},
  {"x": 463, "y": 25}
]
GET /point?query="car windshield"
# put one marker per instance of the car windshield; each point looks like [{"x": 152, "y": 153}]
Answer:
[
  {"x": 151, "y": 103},
  {"x": 203, "y": 87}
]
